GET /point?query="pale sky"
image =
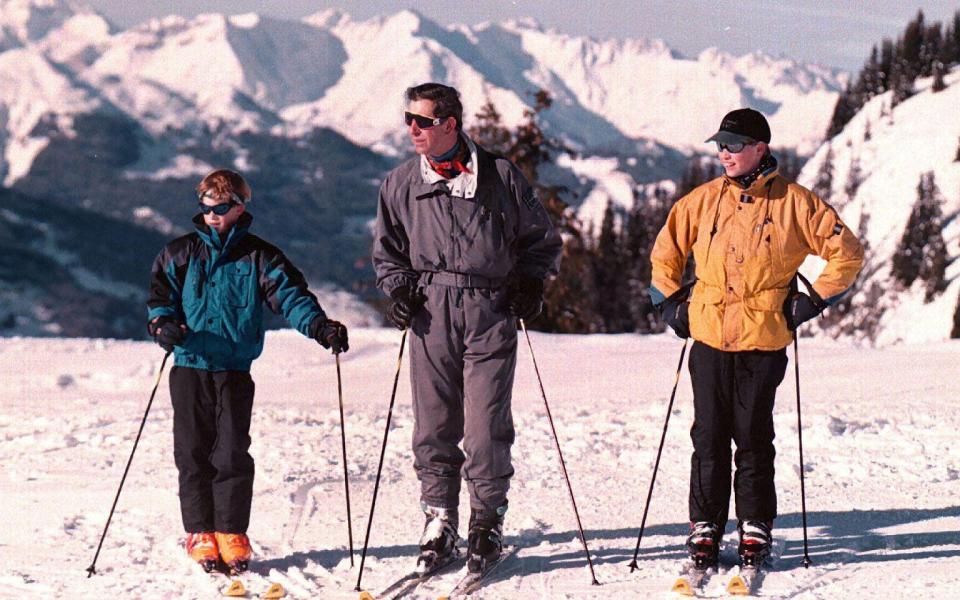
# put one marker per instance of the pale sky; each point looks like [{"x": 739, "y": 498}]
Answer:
[{"x": 835, "y": 33}]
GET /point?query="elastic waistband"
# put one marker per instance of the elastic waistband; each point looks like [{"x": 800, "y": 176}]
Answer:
[{"x": 460, "y": 280}]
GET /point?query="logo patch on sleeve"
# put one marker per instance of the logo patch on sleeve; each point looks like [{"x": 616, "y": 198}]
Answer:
[{"x": 837, "y": 229}]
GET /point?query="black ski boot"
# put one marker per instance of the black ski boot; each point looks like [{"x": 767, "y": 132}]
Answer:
[
  {"x": 703, "y": 543},
  {"x": 485, "y": 541},
  {"x": 439, "y": 540},
  {"x": 756, "y": 540}
]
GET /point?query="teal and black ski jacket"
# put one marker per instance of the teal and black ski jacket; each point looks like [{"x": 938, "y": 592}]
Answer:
[{"x": 218, "y": 288}]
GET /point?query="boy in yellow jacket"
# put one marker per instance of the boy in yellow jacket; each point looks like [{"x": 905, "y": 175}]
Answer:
[{"x": 749, "y": 230}]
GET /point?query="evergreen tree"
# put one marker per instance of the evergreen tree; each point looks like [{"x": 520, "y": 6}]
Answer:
[
  {"x": 938, "y": 83},
  {"x": 866, "y": 131},
  {"x": 930, "y": 49},
  {"x": 955, "y": 332},
  {"x": 921, "y": 253},
  {"x": 823, "y": 185},
  {"x": 911, "y": 47},
  {"x": 609, "y": 271},
  {"x": 643, "y": 223},
  {"x": 954, "y": 57},
  {"x": 854, "y": 179}
]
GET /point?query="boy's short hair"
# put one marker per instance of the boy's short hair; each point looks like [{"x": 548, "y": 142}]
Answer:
[
  {"x": 446, "y": 100},
  {"x": 224, "y": 184}
]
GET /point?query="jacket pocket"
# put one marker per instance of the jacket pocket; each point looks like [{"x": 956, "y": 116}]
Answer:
[{"x": 237, "y": 283}]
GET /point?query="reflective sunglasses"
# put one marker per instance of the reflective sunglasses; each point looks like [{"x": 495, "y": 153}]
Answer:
[
  {"x": 422, "y": 121},
  {"x": 733, "y": 147},
  {"x": 217, "y": 209}
]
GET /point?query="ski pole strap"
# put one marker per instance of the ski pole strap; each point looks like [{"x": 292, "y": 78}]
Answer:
[{"x": 817, "y": 299}]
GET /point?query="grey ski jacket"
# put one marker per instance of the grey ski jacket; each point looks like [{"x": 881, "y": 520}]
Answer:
[{"x": 502, "y": 231}]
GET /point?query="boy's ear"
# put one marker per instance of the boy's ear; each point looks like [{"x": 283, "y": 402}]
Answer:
[{"x": 242, "y": 208}]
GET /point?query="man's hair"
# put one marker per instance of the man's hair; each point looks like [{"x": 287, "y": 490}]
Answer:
[
  {"x": 223, "y": 184},
  {"x": 446, "y": 100}
]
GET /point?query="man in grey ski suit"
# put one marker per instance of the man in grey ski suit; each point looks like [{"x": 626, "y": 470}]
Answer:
[{"x": 462, "y": 248}]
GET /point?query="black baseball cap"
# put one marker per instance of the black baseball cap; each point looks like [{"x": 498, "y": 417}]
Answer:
[{"x": 743, "y": 125}]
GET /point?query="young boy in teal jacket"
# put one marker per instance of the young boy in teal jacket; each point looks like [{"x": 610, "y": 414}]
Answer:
[{"x": 207, "y": 293}]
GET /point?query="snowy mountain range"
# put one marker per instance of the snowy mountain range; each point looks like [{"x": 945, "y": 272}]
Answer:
[{"x": 122, "y": 123}]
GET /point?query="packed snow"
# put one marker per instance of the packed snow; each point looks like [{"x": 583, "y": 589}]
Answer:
[{"x": 882, "y": 471}]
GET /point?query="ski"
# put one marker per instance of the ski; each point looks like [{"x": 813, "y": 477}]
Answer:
[
  {"x": 471, "y": 582},
  {"x": 240, "y": 582},
  {"x": 748, "y": 577},
  {"x": 411, "y": 581},
  {"x": 692, "y": 579},
  {"x": 237, "y": 589}
]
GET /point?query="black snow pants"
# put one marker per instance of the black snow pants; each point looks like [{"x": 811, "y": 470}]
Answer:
[
  {"x": 733, "y": 395},
  {"x": 211, "y": 436}
]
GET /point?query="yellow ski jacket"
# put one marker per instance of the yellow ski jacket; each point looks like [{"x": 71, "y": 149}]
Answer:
[{"x": 747, "y": 245}]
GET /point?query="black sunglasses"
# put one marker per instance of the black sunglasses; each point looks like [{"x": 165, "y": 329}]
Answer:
[
  {"x": 733, "y": 147},
  {"x": 422, "y": 121},
  {"x": 217, "y": 209}
]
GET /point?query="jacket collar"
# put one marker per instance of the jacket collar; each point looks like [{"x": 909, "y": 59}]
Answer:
[
  {"x": 210, "y": 237},
  {"x": 757, "y": 188},
  {"x": 463, "y": 185}
]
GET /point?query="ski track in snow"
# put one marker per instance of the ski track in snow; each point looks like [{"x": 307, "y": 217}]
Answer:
[{"x": 882, "y": 472}]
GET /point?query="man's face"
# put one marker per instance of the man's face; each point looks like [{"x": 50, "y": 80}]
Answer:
[
  {"x": 221, "y": 223},
  {"x": 435, "y": 140},
  {"x": 743, "y": 162}
]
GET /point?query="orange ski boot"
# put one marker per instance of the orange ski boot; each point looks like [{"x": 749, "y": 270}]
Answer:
[
  {"x": 234, "y": 550},
  {"x": 202, "y": 548}
]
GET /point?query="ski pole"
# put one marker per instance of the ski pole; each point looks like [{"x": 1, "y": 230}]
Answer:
[
  {"x": 92, "y": 568},
  {"x": 563, "y": 465},
  {"x": 656, "y": 464},
  {"x": 343, "y": 443},
  {"x": 803, "y": 493},
  {"x": 383, "y": 450}
]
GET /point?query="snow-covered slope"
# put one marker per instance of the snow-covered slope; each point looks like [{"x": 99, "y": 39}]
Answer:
[
  {"x": 892, "y": 148},
  {"x": 881, "y": 471}
]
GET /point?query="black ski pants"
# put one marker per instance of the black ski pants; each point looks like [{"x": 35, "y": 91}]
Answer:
[
  {"x": 733, "y": 395},
  {"x": 211, "y": 436}
]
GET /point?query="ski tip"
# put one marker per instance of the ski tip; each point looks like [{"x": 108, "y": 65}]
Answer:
[
  {"x": 737, "y": 586},
  {"x": 682, "y": 586},
  {"x": 366, "y": 596},
  {"x": 274, "y": 591},
  {"x": 236, "y": 589},
  {"x": 443, "y": 597}
]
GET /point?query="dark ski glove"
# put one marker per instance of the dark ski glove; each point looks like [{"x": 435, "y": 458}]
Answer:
[
  {"x": 525, "y": 297},
  {"x": 676, "y": 314},
  {"x": 800, "y": 308},
  {"x": 332, "y": 335},
  {"x": 405, "y": 303},
  {"x": 168, "y": 332}
]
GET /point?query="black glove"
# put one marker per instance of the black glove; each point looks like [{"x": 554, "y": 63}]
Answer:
[
  {"x": 168, "y": 332},
  {"x": 525, "y": 297},
  {"x": 332, "y": 335},
  {"x": 405, "y": 303},
  {"x": 799, "y": 308},
  {"x": 675, "y": 312}
]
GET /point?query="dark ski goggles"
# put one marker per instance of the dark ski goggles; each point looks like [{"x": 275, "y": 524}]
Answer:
[
  {"x": 217, "y": 209},
  {"x": 733, "y": 147},
  {"x": 422, "y": 121}
]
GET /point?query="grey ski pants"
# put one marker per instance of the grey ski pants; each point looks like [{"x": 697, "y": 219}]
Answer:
[{"x": 463, "y": 353}]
